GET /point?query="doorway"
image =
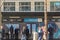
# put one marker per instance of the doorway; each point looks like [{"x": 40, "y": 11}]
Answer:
[{"x": 33, "y": 27}]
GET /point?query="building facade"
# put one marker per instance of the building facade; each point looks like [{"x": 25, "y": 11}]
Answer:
[{"x": 29, "y": 12}]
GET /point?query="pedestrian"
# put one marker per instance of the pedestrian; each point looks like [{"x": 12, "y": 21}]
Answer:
[
  {"x": 16, "y": 33},
  {"x": 51, "y": 32},
  {"x": 23, "y": 34},
  {"x": 27, "y": 33},
  {"x": 11, "y": 31},
  {"x": 7, "y": 32},
  {"x": 3, "y": 33},
  {"x": 40, "y": 33},
  {"x": 44, "y": 32}
]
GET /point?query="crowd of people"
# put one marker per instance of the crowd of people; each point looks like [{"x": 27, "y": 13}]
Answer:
[
  {"x": 42, "y": 34},
  {"x": 25, "y": 33},
  {"x": 14, "y": 33},
  {"x": 6, "y": 32}
]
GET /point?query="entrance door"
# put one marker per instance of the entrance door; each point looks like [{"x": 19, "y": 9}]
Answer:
[{"x": 32, "y": 27}]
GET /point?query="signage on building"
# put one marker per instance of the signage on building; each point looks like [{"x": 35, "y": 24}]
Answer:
[
  {"x": 13, "y": 20},
  {"x": 32, "y": 20},
  {"x": 39, "y": 19}
]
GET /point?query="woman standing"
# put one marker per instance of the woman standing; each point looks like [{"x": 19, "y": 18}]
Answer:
[
  {"x": 40, "y": 33},
  {"x": 44, "y": 32},
  {"x": 23, "y": 34}
]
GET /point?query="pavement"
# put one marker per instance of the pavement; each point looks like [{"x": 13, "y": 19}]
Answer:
[
  {"x": 20, "y": 39},
  {"x": 13, "y": 39}
]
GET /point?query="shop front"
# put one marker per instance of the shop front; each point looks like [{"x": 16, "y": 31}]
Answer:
[{"x": 30, "y": 23}]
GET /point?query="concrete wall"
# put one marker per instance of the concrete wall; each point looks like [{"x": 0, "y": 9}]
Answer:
[
  {"x": 17, "y": 5},
  {"x": 32, "y": 4}
]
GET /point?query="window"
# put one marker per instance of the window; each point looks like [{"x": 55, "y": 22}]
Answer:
[
  {"x": 39, "y": 6},
  {"x": 58, "y": 20},
  {"x": 9, "y": 6},
  {"x": 24, "y": 6},
  {"x": 54, "y": 6},
  {"x": 13, "y": 25},
  {"x": 34, "y": 27}
]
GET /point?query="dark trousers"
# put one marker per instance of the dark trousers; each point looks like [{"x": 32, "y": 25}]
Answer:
[
  {"x": 40, "y": 36},
  {"x": 27, "y": 38},
  {"x": 50, "y": 36},
  {"x": 11, "y": 35},
  {"x": 16, "y": 36},
  {"x": 7, "y": 36}
]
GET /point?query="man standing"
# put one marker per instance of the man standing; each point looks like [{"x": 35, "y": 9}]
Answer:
[
  {"x": 16, "y": 33},
  {"x": 3, "y": 32},
  {"x": 27, "y": 33},
  {"x": 52, "y": 27},
  {"x": 11, "y": 31},
  {"x": 51, "y": 31}
]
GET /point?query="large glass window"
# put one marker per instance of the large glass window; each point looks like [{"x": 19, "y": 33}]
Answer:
[
  {"x": 14, "y": 26},
  {"x": 9, "y": 6},
  {"x": 34, "y": 28},
  {"x": 24, "y": 6},
  {"x": 39, "y": 6},
  {"x": 54, "y": 6}
]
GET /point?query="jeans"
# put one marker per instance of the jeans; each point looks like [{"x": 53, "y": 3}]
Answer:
[
  {"x": 23, "y": 37},
  {"x": 40, "y": 38}
]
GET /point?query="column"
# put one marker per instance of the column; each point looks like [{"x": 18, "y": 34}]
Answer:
[
  {"x": 45, "y": 17},
  {"x": 2, "y": 6},
  {"x": 32, "y": 5},
  {"x": 0, "y": 13},
  {"x": 17, "y": 6}
]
